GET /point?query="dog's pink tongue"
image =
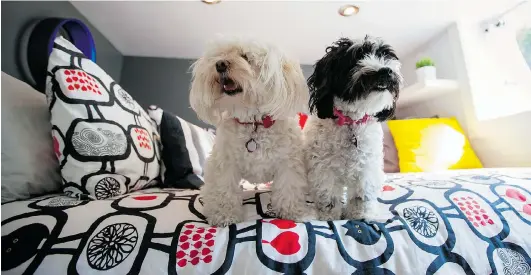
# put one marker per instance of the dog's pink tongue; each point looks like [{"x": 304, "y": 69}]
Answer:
[{"x": 229, "y": 87}]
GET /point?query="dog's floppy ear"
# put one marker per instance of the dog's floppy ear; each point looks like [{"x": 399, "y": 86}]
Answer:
[
  {"x": 288, "y": 90},
  {"x": 296, "y": 86},
  {"x": 322, "y": 102},
  {"x": 321, "y": 98},
  {"x": 324, "y": 83},
  {"x": 201, "y": 97}
]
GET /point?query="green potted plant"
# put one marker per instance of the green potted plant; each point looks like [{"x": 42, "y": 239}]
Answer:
[{"x": 425, "y": 69}]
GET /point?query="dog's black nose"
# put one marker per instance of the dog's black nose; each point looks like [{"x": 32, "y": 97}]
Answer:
[
  {"x": 221, "y": 66},
  {"x": 385, "y": 71}
]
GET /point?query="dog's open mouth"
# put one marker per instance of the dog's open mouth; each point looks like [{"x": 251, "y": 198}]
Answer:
[
  {"x": 229, "y": 86},
  {"x": 382, "y": 87}
]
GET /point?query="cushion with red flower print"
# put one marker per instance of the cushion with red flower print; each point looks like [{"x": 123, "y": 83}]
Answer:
[{"x": 105, "y": 142}]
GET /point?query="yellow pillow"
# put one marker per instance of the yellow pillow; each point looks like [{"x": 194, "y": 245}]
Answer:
[{"x": 432, "y": 144}]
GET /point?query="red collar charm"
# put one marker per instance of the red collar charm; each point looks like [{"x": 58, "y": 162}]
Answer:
[{"x": 346, "y": 120}]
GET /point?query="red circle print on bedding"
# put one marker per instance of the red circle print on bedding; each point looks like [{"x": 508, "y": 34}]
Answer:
[
  {"x": 180, "y": 254},
  {"x": 286, "y": 243},
  {"x": 479, "y": 213},
  {"x": 515, "y": 194},
  {"x": 388, "y": 188},
  {"x": 527, "y": 209},
  {"x": 206, "y": 251},
  {"x": 145, "y": 198},
  {"x": 282, "y": 224},
  {"x": 185, "y": 246},
  {"x": 201, "y": 246}
]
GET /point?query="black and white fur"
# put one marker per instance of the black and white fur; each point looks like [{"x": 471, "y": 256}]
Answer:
[{"x": 357, "y": 77}]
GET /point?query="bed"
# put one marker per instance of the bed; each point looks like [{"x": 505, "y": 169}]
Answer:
[
  {"x": 455, "y": 222},
  {"x": 475, "y": 221}
]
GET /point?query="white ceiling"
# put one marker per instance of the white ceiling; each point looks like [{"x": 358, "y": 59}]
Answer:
[{"x": 304, "y": 28}]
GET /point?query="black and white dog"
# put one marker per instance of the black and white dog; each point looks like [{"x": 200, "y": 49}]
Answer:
[{"x": 353, "y": 88}]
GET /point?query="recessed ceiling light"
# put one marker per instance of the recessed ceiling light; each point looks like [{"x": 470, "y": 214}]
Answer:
[
  {"x": 211, "y": 1},
  {"x": 348, "y": 10}
]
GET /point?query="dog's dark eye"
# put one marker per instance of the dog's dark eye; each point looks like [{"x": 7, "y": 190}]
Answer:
[
  {"x": 244, "y": 56},
  {"x": 386, "y": 52}
]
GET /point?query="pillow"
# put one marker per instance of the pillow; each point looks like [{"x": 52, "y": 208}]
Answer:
[
  {"x": 185, "y": 148},
  {"x": 29, "y": 166},
  {"x": 390, "y": 152},
  {"x": 102, "y": 137},
  {"x": 415, "y": 117},
  {"x": 432, "y": 144}
]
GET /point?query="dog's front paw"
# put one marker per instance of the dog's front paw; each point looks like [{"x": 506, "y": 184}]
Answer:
[
  {"x": 222, "y": 215},
  {"x": 224, "y": 220},
  {"x": 293, "y": 211},
  {"x": 295, "y": 216},
  {"x": 353, "y": 214},
  {"x": 328, "y": 211},
  {"x": 361, "y": 210},
  {"x": 329, "y": 215}
]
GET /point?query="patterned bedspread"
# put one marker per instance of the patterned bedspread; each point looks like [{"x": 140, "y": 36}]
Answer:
[{"x": 461, "y": 222}]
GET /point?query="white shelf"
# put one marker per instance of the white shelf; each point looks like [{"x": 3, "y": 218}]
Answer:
[{"x": 424, "y": 91}]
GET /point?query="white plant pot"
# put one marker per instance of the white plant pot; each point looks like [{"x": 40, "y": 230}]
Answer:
[{"x": 426, "y": 73}]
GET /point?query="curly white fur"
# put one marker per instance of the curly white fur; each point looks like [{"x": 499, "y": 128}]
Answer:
[
  {"x": 348, "y": 156},
  {"x": 271, "y": 84}
]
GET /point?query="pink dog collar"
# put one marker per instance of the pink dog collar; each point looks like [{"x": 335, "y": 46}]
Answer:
[
  {"x": 266, "y": 122},
  {"x": 346, "y": 120}
]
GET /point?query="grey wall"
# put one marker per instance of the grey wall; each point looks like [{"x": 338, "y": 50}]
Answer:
[
  {"x": 17, "y": 15},
  {"x": 164, "y": 82},
  {"x": 159, "y": 81},
  {"x": 307, "y": 70}
]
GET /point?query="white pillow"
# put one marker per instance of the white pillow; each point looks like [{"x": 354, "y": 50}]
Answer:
[
  {"x": 105, "y": 139},
  {"x": 29, "y": 165}
]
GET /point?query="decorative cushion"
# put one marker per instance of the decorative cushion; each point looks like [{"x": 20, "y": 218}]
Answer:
[
  {"x": 103, "y": 139},
  {"x": 390, "y": 151},
  {"x": 185, "y": 148},
  {"x": 432, "y": 144},
  {"x": 391, "y": 163},
  {"x": 29, "y": 166}
]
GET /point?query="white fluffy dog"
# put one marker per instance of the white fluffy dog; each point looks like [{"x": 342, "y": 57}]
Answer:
[
  {"x": 354, "y": 87},
  {"x": 252, "y": 93}
]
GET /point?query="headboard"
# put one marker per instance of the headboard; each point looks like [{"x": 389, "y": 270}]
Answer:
[
  {"x": 39, "y": 42},
  {"x": 20, "y": 16}
]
